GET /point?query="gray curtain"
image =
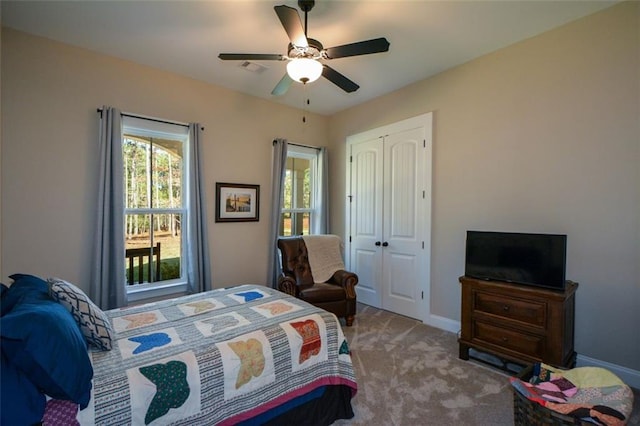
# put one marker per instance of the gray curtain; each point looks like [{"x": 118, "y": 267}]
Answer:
[
  {"x": 277, "y": 181},
  {"x": 199, "y": 266},
  {"x": 321, "y": 224},
  {"x": 106, "y": 287}
]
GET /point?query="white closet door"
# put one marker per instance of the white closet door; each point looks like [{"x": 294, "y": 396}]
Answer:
[
  {"x": 366, "y": 219},
  {"x": 402, "y": 245},
  {"x": 389, "y": 216}
]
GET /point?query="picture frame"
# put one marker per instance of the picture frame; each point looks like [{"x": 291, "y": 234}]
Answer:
[{"x": 237, "y": 202}]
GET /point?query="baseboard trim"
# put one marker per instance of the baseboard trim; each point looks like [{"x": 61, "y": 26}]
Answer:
[
  {"x": 629, "y": 376},
  {"x": 443, "y": 323}
]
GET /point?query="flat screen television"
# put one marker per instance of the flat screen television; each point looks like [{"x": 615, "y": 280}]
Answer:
[{"x": 532, "y": 259}]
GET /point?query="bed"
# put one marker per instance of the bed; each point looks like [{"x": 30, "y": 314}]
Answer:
[{"x": 240, "y": 355}]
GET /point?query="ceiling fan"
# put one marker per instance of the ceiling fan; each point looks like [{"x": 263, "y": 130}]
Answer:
[{"x": 305, "y": 54}]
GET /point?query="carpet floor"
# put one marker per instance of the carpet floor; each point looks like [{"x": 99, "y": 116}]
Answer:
[{"x": 409, "y": 374}]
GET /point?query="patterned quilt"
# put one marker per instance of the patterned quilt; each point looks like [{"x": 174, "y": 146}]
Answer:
[
  {"x": 593, "y": 395},
  {"x": 219, "y": 357}
]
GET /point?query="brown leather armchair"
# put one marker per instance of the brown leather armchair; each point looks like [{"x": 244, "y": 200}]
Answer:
[{"x": 337, "y": 295}]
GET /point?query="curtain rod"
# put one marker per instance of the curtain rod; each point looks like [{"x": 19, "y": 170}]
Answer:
[
  {"x": 297, "y": 144},
  {"x": 159, "y": 120}
]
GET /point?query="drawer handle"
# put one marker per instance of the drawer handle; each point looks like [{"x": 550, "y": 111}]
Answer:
[
  {"x": 505, "y": 308},
  {"x": 505, "y": 339}
]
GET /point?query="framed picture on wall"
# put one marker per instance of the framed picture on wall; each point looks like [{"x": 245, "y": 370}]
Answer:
[{"x": 237, "y": 202}]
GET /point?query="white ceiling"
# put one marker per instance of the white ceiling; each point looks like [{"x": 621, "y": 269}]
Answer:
[{"x": 185, "y": 37}]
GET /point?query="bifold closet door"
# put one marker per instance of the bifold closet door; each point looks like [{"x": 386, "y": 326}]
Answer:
[
  {"x": 402, "y": 243},
  {"x": 366, "y": 219},
  {"x": 387, "y": 195}
]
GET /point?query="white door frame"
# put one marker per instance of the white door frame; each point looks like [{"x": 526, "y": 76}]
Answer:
[{"x": 424, "y": 120}]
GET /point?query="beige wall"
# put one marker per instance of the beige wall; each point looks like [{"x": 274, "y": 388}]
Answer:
[
  {"x": 542, "y": 136},
  {"x": 50, "y": 95}
]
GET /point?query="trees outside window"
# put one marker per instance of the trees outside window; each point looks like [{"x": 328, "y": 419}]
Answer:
[
  {"x": 299, "y": 191},
  {"x": 155, "y": 207}
]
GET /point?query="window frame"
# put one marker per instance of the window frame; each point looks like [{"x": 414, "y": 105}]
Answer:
[
  {"x": 311, "y": 154},
  {"x": 151, "y": 128}
]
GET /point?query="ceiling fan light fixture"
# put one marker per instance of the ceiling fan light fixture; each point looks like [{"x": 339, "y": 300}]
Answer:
[{"x": 304, "y": 70}]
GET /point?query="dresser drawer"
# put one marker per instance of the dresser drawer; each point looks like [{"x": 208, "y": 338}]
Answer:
[
  {"x": 526, "y": 311},
  {"x": 524, "y": 343}
]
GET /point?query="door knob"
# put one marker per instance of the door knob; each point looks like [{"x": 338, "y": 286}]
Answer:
[
  {"x": 385, "y": 244},
  {"x": 378, "y": 243}
]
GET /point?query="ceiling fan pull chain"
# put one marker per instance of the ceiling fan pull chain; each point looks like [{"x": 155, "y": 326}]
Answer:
[{"x": 305, "y": 102}]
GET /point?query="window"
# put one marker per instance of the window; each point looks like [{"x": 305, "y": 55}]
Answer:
[
  {"x": 300, "y": 189},
  {"x": 155, "y": 206}
]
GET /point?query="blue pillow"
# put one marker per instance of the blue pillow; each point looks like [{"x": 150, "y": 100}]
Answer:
[
  {"x": 21, "y": 402},
  {"x": 24, "y": 287},
  {"x": 43, "y": 341}
]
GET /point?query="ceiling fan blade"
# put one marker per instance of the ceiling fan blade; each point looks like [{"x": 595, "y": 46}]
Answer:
[
  {"x": 282, "y": 86},
  {"x": 292, "y": 25},
  {"x": 366, "y": 47},
  {"x": 338, "y": 79},
  {"x": 250, "y": 57}
]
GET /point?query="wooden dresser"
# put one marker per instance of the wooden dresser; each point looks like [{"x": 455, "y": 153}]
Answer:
[{"x": 517, "y": 322}]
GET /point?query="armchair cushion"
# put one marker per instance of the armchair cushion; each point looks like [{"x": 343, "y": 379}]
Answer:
[{"x": 323, "y": 292}]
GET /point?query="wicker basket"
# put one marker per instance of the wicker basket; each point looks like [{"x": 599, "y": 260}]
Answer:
[{"x": 529, "y": 413}]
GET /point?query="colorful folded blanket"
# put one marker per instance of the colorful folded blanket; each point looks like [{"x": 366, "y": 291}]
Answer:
[{"x": 591, "y": 394}]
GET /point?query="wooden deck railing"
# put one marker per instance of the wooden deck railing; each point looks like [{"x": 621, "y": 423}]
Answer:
[{"x": 140, "y": 254}]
